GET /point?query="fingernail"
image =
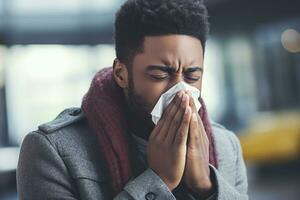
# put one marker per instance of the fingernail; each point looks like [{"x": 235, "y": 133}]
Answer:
[
  {"x": 187, "y": 97},
  {"x": 179, "y": 94},
  {"x": 183, "y": 97}
]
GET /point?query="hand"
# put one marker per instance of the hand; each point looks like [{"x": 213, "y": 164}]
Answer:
[
  {"x": 166, "y": 150},
  {"x": 197, "y": 173}
]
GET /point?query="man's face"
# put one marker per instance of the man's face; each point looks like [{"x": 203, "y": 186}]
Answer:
[{"x": 165, "y": 61}]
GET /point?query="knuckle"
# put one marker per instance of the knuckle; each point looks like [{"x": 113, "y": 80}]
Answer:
[
  {"x": 185, "y": 120},
  {"x": 193, "y": 126},
  {"x": 168, "y": 114},
  {"x": 178, "y": 101},
  {"x": 182, "y": 107},
  {"x": 179, "y": 136},
  {"x": 198, "y": 140},
  {"x": 196, "y": 137},
  {"x": 176, "y": 121},
  {"x": 169, "y": 108}
]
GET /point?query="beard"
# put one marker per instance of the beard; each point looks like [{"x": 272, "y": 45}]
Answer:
[{"x": 140, "y": 119}]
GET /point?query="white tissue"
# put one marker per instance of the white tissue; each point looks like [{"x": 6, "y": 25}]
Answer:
[{"x": 166, "y": 98}]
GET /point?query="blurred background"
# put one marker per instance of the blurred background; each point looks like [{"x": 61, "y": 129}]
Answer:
[{"x": 50, "y": 50}]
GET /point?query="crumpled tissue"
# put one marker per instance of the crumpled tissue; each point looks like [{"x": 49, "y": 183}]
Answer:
[{"x": 166, "y": 98}]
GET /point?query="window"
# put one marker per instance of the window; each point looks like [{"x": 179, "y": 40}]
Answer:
[
  {"x": 42, "y": 80},
  {"x": 3, "y": 122},
  {"x": 213, "y": 90}
]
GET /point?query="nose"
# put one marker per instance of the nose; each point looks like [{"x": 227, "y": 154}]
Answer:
[{"x": 178, "y": 77}]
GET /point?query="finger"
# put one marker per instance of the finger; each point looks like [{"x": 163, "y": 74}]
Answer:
[
  {"x": 202, "y": 131},
  {"x": 177, "y": 97},
  {"x": 194, "y": 135},
  {"x": 168, "y": 116},
  {"x": 176, "y": 121},
  {"x": 162, "y": 120},
  {"x": 156, "y": 129},
  {"x": 182, "y": 133},
  {"x": 192, "y": 103}
]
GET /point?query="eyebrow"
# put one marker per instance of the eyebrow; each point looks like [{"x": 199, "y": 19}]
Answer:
[
  {"x": 170, "y": 69},
  {"x": 164, "y": 68},
  {"x": 193, "y": 69}
]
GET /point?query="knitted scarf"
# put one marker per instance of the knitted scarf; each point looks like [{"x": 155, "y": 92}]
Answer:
[{"x": 103, "y": 106}]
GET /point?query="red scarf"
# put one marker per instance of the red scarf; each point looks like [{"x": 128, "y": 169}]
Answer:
[{"x": 103, "y": 105}]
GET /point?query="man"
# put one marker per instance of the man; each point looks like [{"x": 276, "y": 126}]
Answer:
[{"x": 110, "y": 148}]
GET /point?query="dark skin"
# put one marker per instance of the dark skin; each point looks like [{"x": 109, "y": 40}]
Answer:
[{"x": 177, "y": 146}]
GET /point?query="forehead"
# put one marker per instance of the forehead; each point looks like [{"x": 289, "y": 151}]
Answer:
[{"x": 172, "y": 50}]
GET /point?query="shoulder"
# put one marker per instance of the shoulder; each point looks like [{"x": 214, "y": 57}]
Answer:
[
  {"x": 69, "y": 134},
  {"x": 67, "y": 117},
  {"x": 71, "y": 140},
  {"x": 59, "y": 154}
]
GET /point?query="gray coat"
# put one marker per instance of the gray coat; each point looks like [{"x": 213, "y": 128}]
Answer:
[{"x": 61, "y": 160}]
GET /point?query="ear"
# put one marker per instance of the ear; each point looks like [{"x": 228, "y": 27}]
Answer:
[{"x": 120, "y": 73}]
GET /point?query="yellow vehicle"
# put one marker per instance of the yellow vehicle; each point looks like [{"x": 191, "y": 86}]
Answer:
[{"x": 272, "y": 138}]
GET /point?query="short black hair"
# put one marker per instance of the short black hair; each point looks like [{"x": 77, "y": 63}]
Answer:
[{"x": 139, "y": 18}]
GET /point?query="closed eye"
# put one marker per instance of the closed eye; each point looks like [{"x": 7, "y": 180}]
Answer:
[
  {"x": 193, "y": 78},
  {"x": 193, "y": 75},
  {"x": 160, "y": 77}
]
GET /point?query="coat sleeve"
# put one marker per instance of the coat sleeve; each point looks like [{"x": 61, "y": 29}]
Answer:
[
  {"x": 41, "y": 173},
  {"x": 147, "y": 185}
]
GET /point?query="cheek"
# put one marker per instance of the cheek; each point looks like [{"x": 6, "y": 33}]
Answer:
[
  {"x": 198, "y": 84},
  {"x": 150, "y": 91}
]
